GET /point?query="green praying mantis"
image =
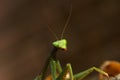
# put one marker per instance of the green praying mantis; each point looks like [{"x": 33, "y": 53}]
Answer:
[{"x": 66, "y": 73}]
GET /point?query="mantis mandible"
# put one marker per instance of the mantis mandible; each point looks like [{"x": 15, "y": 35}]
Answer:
[{"x": 57, "y": 73}]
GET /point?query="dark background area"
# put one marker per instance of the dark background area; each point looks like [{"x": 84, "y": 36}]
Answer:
[{"x": 25, "y": 41}]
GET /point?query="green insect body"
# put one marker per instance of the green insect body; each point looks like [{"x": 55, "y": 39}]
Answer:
[
  {"x": 61, "y": 44},
  {"x": 66, "y": 73},
  {"x": 59, "y": 73}
]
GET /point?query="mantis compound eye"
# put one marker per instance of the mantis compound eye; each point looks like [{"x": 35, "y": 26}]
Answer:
[{"x": 61, "y": 44}]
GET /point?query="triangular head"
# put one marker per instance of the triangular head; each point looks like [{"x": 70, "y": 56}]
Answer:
[{"x": 61, "y": 44}]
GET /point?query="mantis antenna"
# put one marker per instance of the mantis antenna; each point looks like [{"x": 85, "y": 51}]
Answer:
[
  {"x": 52, "y": 32},
  {"x": 66, "y": 24}
]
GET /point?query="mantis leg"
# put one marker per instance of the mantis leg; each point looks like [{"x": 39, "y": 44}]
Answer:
[
  {"x": 66, "y": 74},
  {"x": 53, "y": 65},
  {"x": 59, "y": 68},
  {"x": 83, "y": 74},
  {"x": 53, "y": 69}
]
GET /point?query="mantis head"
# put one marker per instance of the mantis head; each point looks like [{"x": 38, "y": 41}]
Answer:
[{"x": 61, "y": 44}]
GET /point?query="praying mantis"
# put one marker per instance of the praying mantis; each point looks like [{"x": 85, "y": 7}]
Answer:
[{"x": 66, "y": 73}]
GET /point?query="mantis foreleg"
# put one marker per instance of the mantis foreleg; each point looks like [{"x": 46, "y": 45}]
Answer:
[
  {"x": 53, "y": 69},
  {"x": 66, "y": 74}
]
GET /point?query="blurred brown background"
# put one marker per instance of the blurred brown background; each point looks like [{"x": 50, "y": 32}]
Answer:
[{"x": 25, "y": 42}]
